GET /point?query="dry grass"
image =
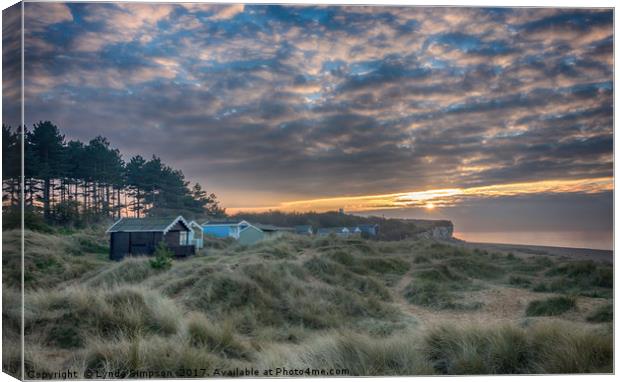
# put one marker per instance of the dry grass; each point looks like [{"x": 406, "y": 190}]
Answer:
[
  {"x": 543, "y": 348},
  {"x": 49, "y": 259},
  {"x": 298, "y": 302},
  {"x": 454, "y": 349},
  {"x": 359, "y": 354}
]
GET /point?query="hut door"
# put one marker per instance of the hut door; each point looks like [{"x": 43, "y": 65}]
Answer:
[{"x": 119, "y": 245}]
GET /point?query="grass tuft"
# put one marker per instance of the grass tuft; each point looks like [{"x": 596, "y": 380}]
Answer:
[
  {"x": 219, "y": 339},
  {"x": 546, "y": 348},
  {"x": 552, "y": 306},
  {"x": 435, "y": 295},
  {"x": 603, "y": 313}
]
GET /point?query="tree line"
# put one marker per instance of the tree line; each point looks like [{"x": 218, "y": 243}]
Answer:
[{"x": 71, "y": 181}]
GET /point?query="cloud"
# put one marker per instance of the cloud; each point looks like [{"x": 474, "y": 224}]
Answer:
[
  {"x": 117, "y": 23},
  {"x": 215, "y": 11},
  {"x": 39, "y": 16},
  {"x": 313, "y": 102},
  {"x": 228, "y": 12},
  {"x": 11, "y": 65}
]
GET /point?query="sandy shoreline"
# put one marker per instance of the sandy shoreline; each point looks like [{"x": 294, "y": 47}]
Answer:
[{"x": 599, "y": 255}]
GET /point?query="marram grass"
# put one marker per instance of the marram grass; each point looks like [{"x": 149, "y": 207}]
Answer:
[{"x": 298, "y": 302}]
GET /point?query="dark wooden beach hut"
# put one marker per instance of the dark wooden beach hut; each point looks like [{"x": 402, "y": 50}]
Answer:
[{"x": 140, "y": 236}]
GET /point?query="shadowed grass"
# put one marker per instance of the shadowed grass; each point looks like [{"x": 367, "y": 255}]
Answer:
[
  {"x": 544, "y": 348},
  {"x": 436, "y": 295},
  {"x": 552, "y": 306},
  {"x": 519, "y": 281},
  {"x": 48, "y": 259},
  {"x": 476, "y": 268},
  {"x": 585, "y": 278},
  {"x": 603, "y": 313}
]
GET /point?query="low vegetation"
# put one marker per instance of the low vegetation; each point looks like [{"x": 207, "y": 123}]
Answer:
[
  {"x": 370, "y": 307},
  {"x": 604, "y": 313},
  {"x": 162, "y": 258},
  {"x": 584, "y": 278},
  {"x": 51, "y": 259},
  {"x": 437, "y": 295},
  {"x": 553, "y": 306},
  {"x": 541, "y": 349}
]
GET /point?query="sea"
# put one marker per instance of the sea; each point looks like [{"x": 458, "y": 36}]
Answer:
[{"x": 566, "y": 239}]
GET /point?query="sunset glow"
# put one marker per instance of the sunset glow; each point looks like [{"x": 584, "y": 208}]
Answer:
[{"x": 431, "y": 199}]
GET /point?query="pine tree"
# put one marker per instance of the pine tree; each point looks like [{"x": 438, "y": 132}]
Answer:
[
  {"x": 75, "y": 182},
  {"x": 47, "y": 145},
  {"x": 205, "y": 203},
  {"x": 11, "y": 165},
  {"x": 136, "y": 183},
  {"x": 75, "y": 169}
]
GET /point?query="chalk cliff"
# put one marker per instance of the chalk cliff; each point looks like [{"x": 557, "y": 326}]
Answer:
[{"x": 440, "y": 232}]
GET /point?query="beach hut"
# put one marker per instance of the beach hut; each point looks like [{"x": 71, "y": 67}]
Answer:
[
  {"x": 140, "y": 236},
  {"x": 196, "y": 234},
  {"x": 224, "y": 228},
  {"x": 251, "y": 235}
]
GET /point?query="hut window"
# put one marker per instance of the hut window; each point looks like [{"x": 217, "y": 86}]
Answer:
[{"x": 183, "y": 238}]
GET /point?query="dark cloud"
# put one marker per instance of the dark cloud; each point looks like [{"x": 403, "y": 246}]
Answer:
[
  {"x": 582, "y": 20},
  {"x": 11, "y": 65}
]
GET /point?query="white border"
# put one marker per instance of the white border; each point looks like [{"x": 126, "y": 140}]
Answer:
[{"x": 476, "y": 3}]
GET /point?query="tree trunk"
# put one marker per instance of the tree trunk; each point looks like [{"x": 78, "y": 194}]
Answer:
[
  {"x": 95, "y": 199},
  {"x": 85, "y": 194},
  {"x": 118, "y": 201},
  {"x": 107, "y": 199},
  {"x": 75, "y": 193},
  {"x": 46, "y": 199}
]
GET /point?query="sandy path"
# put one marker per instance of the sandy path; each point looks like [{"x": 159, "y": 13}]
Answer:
[{"x": 502, "y": 304}]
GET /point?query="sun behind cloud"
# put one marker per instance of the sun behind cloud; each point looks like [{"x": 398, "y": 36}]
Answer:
[{"x": 433, "y": 199}]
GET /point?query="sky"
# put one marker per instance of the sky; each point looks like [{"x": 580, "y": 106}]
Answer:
[{"x": 499, "y": 119}]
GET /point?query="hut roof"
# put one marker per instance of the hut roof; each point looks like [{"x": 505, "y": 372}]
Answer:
[
  {"x": 223, "y": 222},
  {"x": 151, "y": 224},
  {"x": 272, "y": 228}
]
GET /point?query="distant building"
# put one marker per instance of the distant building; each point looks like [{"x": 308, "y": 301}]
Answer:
[
  {"x": 362, "y": 230},
  {"x": 272, "y": 230},
  {"x": 224, "y": 228},
  {"x": 338, "y": 231},
  {"x": 240, "y": 230},
  {"x": 304, "y": 230},
  {"x": 251, "y": 235},
  {"x": 354, "y": 230},
  {"x": 369, "y": 230},
  {"x": 140, "y": 236},
  {"x": 196, "y": 234}
]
